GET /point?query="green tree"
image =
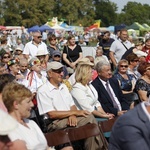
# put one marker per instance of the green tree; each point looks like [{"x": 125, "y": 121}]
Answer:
[
  {"x": 134, "y": 12},
  {"x": 75, "y": 12},
  {"x": 27, "y": 13},
  {"x": 106, "y": 11}
]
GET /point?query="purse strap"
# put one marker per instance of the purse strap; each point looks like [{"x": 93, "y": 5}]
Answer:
[{"x": 68, "y": 54}]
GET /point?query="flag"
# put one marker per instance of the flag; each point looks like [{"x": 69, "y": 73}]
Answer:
[{"x": 97, "y": 22}]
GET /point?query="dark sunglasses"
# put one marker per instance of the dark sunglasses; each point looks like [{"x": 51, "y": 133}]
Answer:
[
  {"x": 57, "y": 56},
  {"x": 125, "y": 66},
  {"x": 53, "y": 40},
  {"x": 58, "y": 70},
  {"x": 136, "y": 60},
  {"x": 6, "y": 57},
  {"x": 39, "y": 37}
]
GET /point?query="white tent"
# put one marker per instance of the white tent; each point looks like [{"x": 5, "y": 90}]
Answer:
[{"x": 57, "y": 27}]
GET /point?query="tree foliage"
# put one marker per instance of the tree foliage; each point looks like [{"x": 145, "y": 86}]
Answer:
[
  {"x": 37, "y": 12},
  {"x": 106, "y": 11}
]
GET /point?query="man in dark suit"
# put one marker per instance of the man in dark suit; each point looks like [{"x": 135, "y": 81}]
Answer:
[
  {"x": 109, "y": 93},
  {"x": 131, "y": 131}
]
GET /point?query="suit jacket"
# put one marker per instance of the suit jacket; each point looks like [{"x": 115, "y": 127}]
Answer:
[
  {"x": 131, "y": 131},
  {"x": 104, "y": 97}
]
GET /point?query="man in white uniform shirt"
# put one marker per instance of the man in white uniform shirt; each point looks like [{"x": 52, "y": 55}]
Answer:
[{"x": 32, "y": 47}]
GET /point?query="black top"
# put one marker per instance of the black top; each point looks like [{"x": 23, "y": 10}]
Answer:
[
  {"x": 72, "y": 55},
  {"x": 106, "y": 46},
  {"x": 142, "y": 85}
]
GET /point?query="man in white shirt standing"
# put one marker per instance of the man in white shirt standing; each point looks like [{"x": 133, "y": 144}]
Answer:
[
  {"x": 119, "y": 47},
  {"x": 32, "y": 47}
]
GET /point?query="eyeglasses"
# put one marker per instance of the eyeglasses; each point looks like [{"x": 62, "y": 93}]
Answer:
[
  {"x": 6, "y": 57},
  {"x": 125, "y": 66},
  {"x": 39, "y": 37},
  {"x": 147, "y": 69},
  {"x": 53, "y": 40},
  {"x": 136, "y": 60},
  {"x": 58, "y": 70},
  {"x": 57, "y": 56}
]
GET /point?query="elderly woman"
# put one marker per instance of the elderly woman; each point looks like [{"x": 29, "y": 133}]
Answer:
[
  {"x": 72, "y": 53},
  {"x": 84, "y": 94},
  {"x": 143, "y": 84},
  {"x": 133, "y": 61},
  {"x": 126, "y": 81},
  {"x": 18, "y": 101}
]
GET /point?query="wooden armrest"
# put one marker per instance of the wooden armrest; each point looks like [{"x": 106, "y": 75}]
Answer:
[
  {"x": 83, "y": 132},
  {"x": 57, "y": 138},
  {"x": 107, "y": 125}
]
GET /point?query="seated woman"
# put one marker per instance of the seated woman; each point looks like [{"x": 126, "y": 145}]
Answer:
[
  {"x": 18, "y": 101},
  {"x": 84, "y": 94},
  {"x": 14, "y": 69},
  {"x": 35, "y": 77},
  {"x": 143, "y": 84},
  {"x": 126, "y": 81}
]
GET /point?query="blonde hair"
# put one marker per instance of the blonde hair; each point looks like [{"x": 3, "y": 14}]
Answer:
[
  {"x": 81, "y": 74},
  {"x": 14, "y": 92}
]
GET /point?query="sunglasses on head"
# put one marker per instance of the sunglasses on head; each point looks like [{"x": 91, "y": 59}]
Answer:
[
  {"x": 58, "y": 70},
  {"x": 125, "y": 66}
]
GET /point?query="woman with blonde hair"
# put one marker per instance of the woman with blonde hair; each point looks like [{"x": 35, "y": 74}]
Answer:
[{"x": 84, "y": 94}]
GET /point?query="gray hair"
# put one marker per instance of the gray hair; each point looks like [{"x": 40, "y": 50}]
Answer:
[{"x": 100, "y": 64}]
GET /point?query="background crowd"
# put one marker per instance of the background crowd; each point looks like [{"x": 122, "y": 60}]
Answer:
[{"x": 40, "y": 78}]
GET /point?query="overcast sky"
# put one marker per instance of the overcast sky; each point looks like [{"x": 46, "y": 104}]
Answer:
[{"x": 121, "y": 3}]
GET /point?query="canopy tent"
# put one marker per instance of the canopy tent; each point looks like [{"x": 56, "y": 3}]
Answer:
[
  {"x": 46, "y": 27},
  {"x": 119, "y": 27},
  {"x": 34, "y": 28},
  {"x": 111, "y": 28},
  {"x": 2, "y": 28},
  {"x": 146, "y": 26},
  {"x": 67, "y": 28},
  {"x": 136, "y": 26},
  {"x": 57, "y": 27}
]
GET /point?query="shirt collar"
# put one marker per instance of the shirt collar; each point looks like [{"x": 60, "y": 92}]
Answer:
[
  {"x": 144, "y": 104},
  {"x": 52, "y": 87}
]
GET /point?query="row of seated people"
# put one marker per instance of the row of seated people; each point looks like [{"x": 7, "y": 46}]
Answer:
[{"x": 104, "y": 72}]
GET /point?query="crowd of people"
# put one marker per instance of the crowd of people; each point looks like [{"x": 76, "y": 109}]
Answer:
[{"x": 71, "y": 90}]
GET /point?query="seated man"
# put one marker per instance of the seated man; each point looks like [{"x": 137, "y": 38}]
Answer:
[
  {"x": 55, "y": 100},
  {"x": 109, "y": 93},
  {"x": 134, "y": 133}
]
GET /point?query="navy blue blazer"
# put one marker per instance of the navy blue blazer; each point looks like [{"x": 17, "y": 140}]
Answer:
[
  {"x": 131, "y": 131},
  {"x": 105, "y": 99}
]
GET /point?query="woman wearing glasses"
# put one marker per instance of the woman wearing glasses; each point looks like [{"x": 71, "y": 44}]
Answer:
[
  {"x": 126, "y": 81},
  {"x": 5, "y": 56}
]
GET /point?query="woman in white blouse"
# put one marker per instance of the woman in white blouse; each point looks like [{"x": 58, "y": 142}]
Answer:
[
  {"x": 85, "y": 95},
  {"x": 18, "y": 101}
]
